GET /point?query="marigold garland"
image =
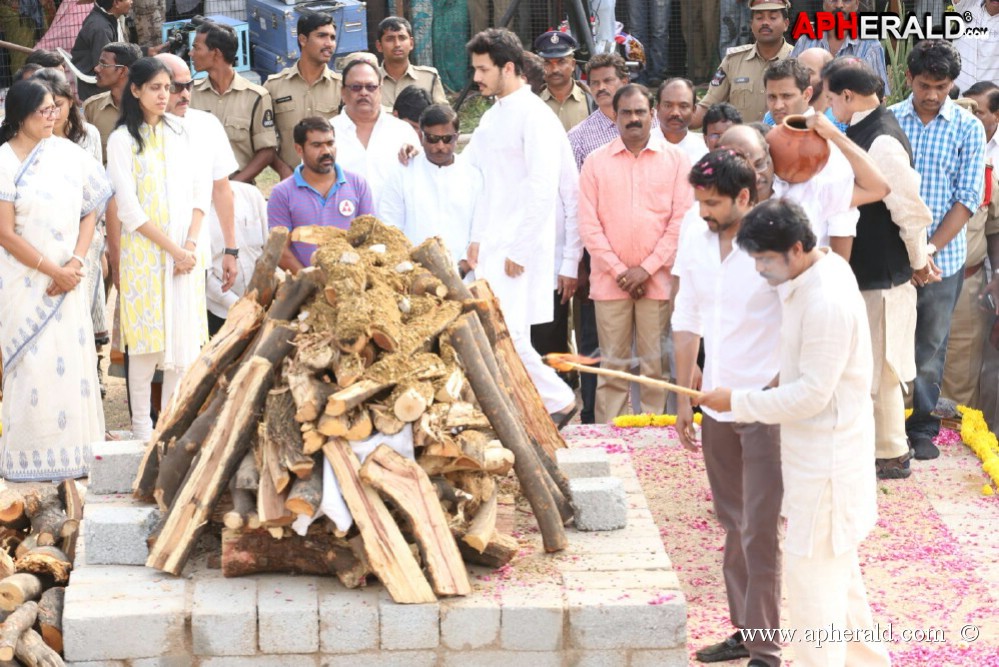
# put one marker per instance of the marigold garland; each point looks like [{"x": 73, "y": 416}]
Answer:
[{"x": 642, "y": 421}]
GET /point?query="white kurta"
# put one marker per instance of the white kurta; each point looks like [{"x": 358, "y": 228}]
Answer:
[
  {"x": 568, "y": 244},
  {"x": 376, "y": 162},
  {"x": 250, "y": 223},
  {"x": 826, "y": 197},
  {"x": 823, "y": 405},
  {"x": 693, "y": 145},
  {"x": 213, "y": 144},
  {"x": 424, "y": 200},
  {"x": 518, "y": 147}
]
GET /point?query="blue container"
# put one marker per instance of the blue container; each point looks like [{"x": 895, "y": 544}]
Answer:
[
  {"x": 266, "y": 62},
  {"x": 274, "y": 25},
  {"x": 242, "y": 34}
]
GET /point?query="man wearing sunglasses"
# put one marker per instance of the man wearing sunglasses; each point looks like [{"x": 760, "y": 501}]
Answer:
[
  {"x": 368, "y": 137},
  {"x": 437, "y": 192}
]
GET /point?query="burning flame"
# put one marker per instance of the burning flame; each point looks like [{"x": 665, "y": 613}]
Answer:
[{"x": 566, "y": 362}]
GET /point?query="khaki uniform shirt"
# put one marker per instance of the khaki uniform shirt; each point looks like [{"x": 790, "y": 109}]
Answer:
[
  {"x": 294, "y": 99},
  {"x": 984, "y": 223},
  {"x": 426, "y": 78},
  {"x": 101, "y": 112},
  {"x": 574, "y": 110},
  {"x": 739, "y": 81},
  {"x": 246, "y": 113}
]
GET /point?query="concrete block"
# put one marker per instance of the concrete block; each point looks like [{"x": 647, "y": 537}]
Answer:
[
  {"x": 502, "y": 659},
  {"x": 383, "y": 659},
  {"x": 125, "y": 620},
  {"x": 650, "y": 581},
  {"x": 610, "y": 561},
  {"x": 603, "y": 620},
  {"x": 408, "y": 626},
  {"x": 164, "y": 661},
  {"x": 288, "y": 614},
  {"x": 348, "y": 619},
  {"x": 627, "y": 541},
  {"x": 224, "y": 617},
  {"x": 115, "y": 574},
  {"x": 598, "y": 659},
  {"x": 261, "y": 661},
  {"x": 117, "y": 535},
  {"x": 98, "y": 663},
  {"x": 531, "y": 618},
  {"x": 115, "y": 465},
  {"x": 583, "y": 462},
  {"x": 600, "y": 503},
  {"x": 676, "y": 658},
  {"x": 469, "y": 623}
]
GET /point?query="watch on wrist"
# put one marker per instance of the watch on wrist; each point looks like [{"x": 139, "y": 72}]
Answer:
[
  {"x": 931, "y": 249},
  {"x": 232, "y": 251}
]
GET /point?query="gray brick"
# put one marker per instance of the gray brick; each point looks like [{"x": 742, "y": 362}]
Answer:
[
  {"x": 531, "y": 618},
  {"x": 469, "y": 623},
  {"x": 655, "y": 560},
  {"x": 383, "y": 659},
  {"x": 600, "y": 503},
  {"x": 582, "y": 462},
  {"x": 224, "y": 617},
  {"x": 675, "y": 658},
  {"x": 97, "y": 663},
  {"x": 629, "y": 541},
  {"x": 261, "y": 661},
  {"x": 115, "y": 574},
  {"x": 643, "y": 580},
  {"x": 598, "y": 659},
  {"x": 288, "y": 614},
  {"x": 348, "y": 619},
  {"x": 164, "y": 661},
  {"x": 502, "y": 659},
  {"x": 96, "y": 616},
  {"x": 610, "y": 620},
  {"x": 115, "y": 465},
  {"x": 408, "y": 626},
  {"x": 116, "y": 535}
]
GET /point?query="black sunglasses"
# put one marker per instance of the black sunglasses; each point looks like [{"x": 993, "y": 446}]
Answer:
[
  {"x": 178, "y": 87},
  {"x": 358, "y": 87},
  {"x": 437, "y": 138}
]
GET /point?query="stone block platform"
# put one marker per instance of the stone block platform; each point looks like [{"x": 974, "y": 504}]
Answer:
[{"x": 610, "y": 600}]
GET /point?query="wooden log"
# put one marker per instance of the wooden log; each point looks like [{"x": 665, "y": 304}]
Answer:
[
  {"x": 48, "y": 520},
  {"x": 285, "y": 434},
  {"x": 314, "y": 352},
  {"x": 20, "y": 620},
  {"x": 10, "y": 538},
  {"x": 346, "y": 399},
  {"x": 273, "y": 490},
  {"x": 308, "y": 393},
  {"x": 312, "y": 441},
  {"x": 222, "y": 350},
  {"x": 176, "y": 463},
  {"x": 435, "y": 258},
  {"x": 388, "y": 554},
  {"x": 483, "y": 526},
  {"x": 421, "y": 332},
  {"x": 424, "y": 282},
  {"x": 26, "y": 545},
  {"x": 48, "y": 562},
  {"x": 17, "y": 589},
  {"x": 6, "y": 565},
  {"x": 410, "y": 490},
  {"x": 243, "y": 504},
  {"x": 464, "y": 415},
  {"x": 348, "y": 368},
  {"x": 511, "y": 431},
  {"x": 499, "y": 552},
  {"x": 12, "y": 509},
  {"x": 263, "y": 283},
  {"x": 410, "y": 399},
  {"x": 69, "y": 494},
  {"x": 32, "y": 651},
  {"x": 247, "y": 475},
  {"x": 246, "y": 552},
  {"x": 384, "y": 421},
  {"x": 220, "y": 455},
  {"x": 537, "y": 421},
  {"x": 306, "y": 494},
  {"x": 292, "y": 294},
  {"x": 449, "y": 388},
  {"x": 386, "y": 320},
  {"x": 50, "y": 617}
]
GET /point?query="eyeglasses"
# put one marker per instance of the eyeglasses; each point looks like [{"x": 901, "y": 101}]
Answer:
[
  {"x": 48, "y": 112},
  {"x": 104, "y": 65},
  {"x": 437, "y": 138},
  {"x": 180, "y": 87},
  {"x": 358, "y": 87}
]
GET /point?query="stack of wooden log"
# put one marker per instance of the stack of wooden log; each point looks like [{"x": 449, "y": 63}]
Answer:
[
  {"x": 377, "y": 339},
  {"x": 38, "y": 532}
]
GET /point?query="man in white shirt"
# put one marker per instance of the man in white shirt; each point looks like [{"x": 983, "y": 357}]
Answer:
[
  {"x": 436, "y": 194},
  {"x": 518, "y": 147},
  {"x": 823, "y": 406},
  {"x": 368, "y": 138},
  {"x": 675, "y": 109},
  {"x": 723, "y": 301},
  {"x": 980, "y": 52}
]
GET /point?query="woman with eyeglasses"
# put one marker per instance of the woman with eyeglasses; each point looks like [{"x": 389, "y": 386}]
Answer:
[
  {"x": 70, "y": 124},
  {"x": 51, "y": 194},
  {"x": 162, "y": 190}
]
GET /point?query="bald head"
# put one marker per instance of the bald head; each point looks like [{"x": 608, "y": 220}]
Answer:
[
  {"x": 814, "y": 59},
  {"x": 749, "y": 142},
  {"x": 180, "y": 75}
]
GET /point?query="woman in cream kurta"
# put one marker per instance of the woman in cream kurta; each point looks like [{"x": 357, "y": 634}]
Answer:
[{"x": 162, "y": 190}]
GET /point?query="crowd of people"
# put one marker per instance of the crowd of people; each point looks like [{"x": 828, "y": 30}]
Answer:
[{"x": 597, "y": 215}]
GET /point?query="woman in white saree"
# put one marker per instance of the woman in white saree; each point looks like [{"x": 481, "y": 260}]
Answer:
[
  {"x": 51, "y": 193},
  {"x": 162, "y": 189}
]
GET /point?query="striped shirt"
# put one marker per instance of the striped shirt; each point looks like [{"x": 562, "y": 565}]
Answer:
[
  {"x": 949, "y": 154},
  {"x": 295, "y": 203},
  {"x": 868, "y": 50},
  {"x": 596, "y": 131}
]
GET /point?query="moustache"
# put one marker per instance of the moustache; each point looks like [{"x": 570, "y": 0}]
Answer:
[
  {"x": 636, "y": 125},
  {"x": 675, "y": 118}
]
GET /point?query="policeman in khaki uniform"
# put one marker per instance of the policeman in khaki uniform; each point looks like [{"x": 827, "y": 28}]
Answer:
[
  {"x": 739, "y": 79},
  {"x": 307, "y": 88},
  {"x": 395, "y": 43},
  {"x": 568, "y": 98},
  {"x": 244, "y": 108}
]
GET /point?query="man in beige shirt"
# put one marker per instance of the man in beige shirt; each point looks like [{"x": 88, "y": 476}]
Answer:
[
  {"x": 244, "y": 108},
  {"x": 567, "y": 97},
  {"x": 112, "y": 67},
  {"x": 395, "y": 43},
  {"x": 307, "y": 88}
]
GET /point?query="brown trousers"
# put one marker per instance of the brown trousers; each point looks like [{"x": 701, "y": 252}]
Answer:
[{"x": 743, "y": 466}]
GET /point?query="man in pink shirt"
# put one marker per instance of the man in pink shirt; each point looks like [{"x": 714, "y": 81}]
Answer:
[{"x": 633, "y": 193}]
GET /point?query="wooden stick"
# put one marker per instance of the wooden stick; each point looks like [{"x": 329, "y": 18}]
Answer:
[
  {"x": 20, "y": 620},
  {"x": 640, "y": 379}
]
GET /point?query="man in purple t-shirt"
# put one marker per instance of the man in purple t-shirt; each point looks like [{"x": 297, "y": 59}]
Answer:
[{"x": 318, "y": 192}]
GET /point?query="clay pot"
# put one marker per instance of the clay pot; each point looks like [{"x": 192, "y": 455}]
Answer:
[{"x": 798, "y": 153}]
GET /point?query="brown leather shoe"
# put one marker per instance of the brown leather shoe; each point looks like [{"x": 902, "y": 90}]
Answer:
[
  {"x": 730, "y": 649},
  {"x": 896, "y": 468}
]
